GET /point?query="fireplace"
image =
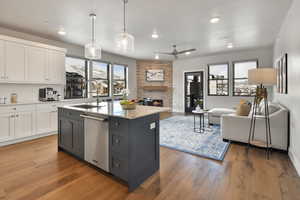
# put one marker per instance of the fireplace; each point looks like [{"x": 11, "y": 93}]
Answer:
[{"x": 152, "y": 102}]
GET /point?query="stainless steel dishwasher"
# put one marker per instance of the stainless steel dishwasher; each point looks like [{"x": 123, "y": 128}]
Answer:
[{"x": 96, "y": 141}]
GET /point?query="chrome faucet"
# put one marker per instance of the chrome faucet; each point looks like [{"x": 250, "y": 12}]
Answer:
[{"x": 98, "y": 96}]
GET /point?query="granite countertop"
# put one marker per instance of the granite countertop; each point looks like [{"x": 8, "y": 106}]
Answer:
[{"x": 116, "y": 110}]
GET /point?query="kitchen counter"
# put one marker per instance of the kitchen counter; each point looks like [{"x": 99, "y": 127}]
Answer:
[
  {"x": 47, "y": 102},
  {"x": 123, "y": 143},
  {"x": 115, "y": 109}
]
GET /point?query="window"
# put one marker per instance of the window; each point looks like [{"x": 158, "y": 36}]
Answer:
[
  {"x": 76, "y": 77},
  {"x": 100, "y": 78},
  {"x": 218, "y": 79},
  {"x": 240, "y": 78},
  {"x": 119, "y": 79}
]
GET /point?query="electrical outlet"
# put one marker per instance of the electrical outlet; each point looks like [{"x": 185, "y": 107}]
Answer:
[{"x": 152, "y": 125}]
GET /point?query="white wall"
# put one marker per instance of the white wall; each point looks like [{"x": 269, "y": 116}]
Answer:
[
  {"x": 30, "y": 92},
  {"x": 289, "y": 42},
  {"x": 264, "y": 56}
]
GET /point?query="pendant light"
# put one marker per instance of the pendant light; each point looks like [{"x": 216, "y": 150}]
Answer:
[
  {"x": 92, "y": 50},
  {"x": 124, "y": 40}
]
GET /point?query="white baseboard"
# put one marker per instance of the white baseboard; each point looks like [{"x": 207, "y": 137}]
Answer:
[
  {"x": 14, "y": 141},
  {"x": 295, "y": 160}
]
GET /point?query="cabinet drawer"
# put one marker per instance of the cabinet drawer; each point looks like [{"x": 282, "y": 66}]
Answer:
[
  {"x": 118, "y": 126},
  {"x": 119, "y": 166},
  {"x": 119, "y": 143},
  {"x": 71, "y": 114},
  {"x": 46, "y": 107},
  {"x": 6, "y": 109}
]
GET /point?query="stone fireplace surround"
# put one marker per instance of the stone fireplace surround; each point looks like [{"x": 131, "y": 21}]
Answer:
[{"x": 155, "y": 90}]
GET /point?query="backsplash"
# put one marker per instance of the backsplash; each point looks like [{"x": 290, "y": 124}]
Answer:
[{"x": 26, "y": 92}]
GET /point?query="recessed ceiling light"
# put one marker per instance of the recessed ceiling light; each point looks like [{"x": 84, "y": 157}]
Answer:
[
  {"x": 187, "y": 53},
  {"x": 155, "y": 35},
  {"x": 229, "y": 45},
  {"x": 214, "y": 20},
  {"x": 62, "y": 31},
  {"x": 156, "y": 56}
]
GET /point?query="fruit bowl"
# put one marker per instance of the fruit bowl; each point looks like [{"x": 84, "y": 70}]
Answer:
[{"x": 128, "y": 105}]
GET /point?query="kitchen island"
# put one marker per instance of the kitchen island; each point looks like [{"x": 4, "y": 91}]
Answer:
[{"x": 124, "y": 143}]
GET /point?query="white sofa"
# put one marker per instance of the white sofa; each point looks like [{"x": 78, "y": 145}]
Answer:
[
  {"x": 236, "y": 128},
  {"x": 214, "y": 115}
]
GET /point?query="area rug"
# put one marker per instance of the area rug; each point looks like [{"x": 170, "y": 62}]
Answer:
[{"x": 178, "y": 133}]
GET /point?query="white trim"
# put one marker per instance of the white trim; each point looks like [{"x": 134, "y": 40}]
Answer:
[
  {"x": 295, "y": 160},
  {"x": 30, "y": 43},
  {"x": 204, "y": 87},
  {"x": 15, "y": 141}
]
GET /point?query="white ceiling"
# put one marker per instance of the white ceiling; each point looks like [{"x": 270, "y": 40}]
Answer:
[{"x": 245, "y": 23}]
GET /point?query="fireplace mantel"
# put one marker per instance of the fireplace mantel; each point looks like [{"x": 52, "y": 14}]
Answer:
[{"x": 155, "y": 88}]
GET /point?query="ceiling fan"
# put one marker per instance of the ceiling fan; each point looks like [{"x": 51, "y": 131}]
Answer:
[{"x": 175, "y": 53}]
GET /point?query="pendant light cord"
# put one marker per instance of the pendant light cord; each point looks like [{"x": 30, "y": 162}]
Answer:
[
  {"x": 93, "y": 19},
  {"x": 124, "y": 16}
]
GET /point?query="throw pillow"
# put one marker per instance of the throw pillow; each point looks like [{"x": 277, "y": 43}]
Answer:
[{"x": 243, "y": 109}]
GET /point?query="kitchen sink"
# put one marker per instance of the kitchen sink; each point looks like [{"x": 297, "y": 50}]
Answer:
[{"x": 86, "y": 106}]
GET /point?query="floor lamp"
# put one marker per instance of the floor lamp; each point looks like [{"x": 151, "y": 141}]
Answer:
[{"x": 261, "y": 77}]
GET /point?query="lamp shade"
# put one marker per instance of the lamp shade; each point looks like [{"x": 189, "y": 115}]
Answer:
[{"x": 264, "y": 76}]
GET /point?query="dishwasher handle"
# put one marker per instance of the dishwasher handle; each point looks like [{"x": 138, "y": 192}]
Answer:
[{"x": 94, "y": 118}]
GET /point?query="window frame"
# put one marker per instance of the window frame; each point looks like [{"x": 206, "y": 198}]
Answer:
[
  {"x": 233, "y": 77},
  {"x": 208, "y": 79},
  {"x": 100, "y": 79},
  {"x": 113, "y": 80},
  {"x": 86, "y": 71}
]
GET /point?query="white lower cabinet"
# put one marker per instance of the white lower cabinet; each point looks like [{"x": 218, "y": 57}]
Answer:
[
  {"x": 46, "y": 118},
  {"x": 43, "y": 121},
  {"x": 24, "y": 124},
  {"x": 54, "y": 120},
  {"x": 7, "y": 127}
]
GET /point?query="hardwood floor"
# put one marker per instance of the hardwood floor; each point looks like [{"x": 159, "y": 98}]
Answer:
[{"x": 35, "y": 170}]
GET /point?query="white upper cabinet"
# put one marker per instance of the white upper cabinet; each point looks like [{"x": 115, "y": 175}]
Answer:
[
  {"x": 55, "y": 67},
  {"x": 36, "y": 64},
  {"x": 15, "y": 61},
  {"x": 24, "y": 61},
  {"x": 2, "y": 63}
]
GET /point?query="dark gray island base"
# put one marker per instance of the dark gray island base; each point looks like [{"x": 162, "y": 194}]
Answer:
[{"x": 133, "y": 143}]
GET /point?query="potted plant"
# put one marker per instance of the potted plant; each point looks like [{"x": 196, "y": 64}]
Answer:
[{"x": 199, "y": 104}]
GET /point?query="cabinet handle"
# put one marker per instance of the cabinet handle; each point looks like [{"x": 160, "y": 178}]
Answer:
[
  {"x": 117, "y": 141},
  {"x": 94, "y": 118},
  {"x": 12, "y": 116},
  {"x": 117, "y": 165},
  {"x": 17, "y": 115},
  {"x": 117, "y": 124}
]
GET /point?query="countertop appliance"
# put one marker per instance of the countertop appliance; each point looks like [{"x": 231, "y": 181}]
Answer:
[
  {"x": 96, "y": 139},
  {"x": 46, "y": 94}
]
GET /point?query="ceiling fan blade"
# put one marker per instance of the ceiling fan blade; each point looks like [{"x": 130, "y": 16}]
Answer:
[
  {"x": 166, "y": 53},
  {"x": 185, "y": 51}
]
